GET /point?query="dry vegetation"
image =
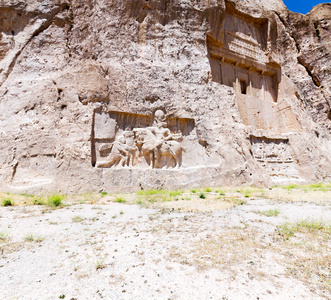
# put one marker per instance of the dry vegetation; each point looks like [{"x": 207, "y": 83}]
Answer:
[{"x": 227, "y": 229}]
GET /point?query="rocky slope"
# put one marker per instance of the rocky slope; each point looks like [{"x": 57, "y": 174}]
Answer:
[{"x": 243, "y": 87}]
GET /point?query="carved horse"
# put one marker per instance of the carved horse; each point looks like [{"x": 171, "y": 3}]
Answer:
[{"x": 154, "y": 148}]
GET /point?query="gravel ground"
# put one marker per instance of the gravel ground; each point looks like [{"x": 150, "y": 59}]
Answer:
[{"x": 121, "y": 251}]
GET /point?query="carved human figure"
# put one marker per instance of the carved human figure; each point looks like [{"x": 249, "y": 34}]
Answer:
[
  {"x": 121, "y": 152},
  {"x": 113, "y": 153},
  {"x": 270, "y": 151},
  {"x": 258, "y": 151},
  {"x": 274, "y": 151},
  {"x": 129, "y": 145},
  {"x": 284, "y": 152}
]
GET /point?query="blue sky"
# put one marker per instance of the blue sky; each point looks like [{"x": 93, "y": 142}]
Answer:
[{"x": 302, "y": 6}]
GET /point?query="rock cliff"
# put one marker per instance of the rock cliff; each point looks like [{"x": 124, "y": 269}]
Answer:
[{"x": 122, "y": 95}]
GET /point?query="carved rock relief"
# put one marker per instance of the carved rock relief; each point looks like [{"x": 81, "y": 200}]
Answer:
[
  {"x": 130, "y": 140},
  {"x": 275, "y": 156},
  {"x": 240, "y": 58}
]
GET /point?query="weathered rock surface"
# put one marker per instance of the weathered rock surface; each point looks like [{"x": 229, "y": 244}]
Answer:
[{"x": 122, "y": 95}]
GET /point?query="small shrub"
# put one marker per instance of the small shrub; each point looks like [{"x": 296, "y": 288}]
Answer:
[
  {"x": 246, "y": 192},
  {"x": 239, "y": 201},
  {"x": 100, "y": 265},
  {"x": 120, "y": 200},
  {"x": 193, "y": 191},
  {"x": 77, "y": 219},
  {"x": 3, "y": 236},
  {"x": 202, "y": 196},
  {"x": 286, "y": 230},
  {"x": 104, "y": 194},
  {"x": 55, "y": 200},
  {"x": 236, "y": 201},
  {"x": 38, "y": 201},
  {"x": 222, "y": 193},
  {"x": 207, "y": 190},
  {"x": 29, "y": 237},
  {"x": 7, "y": 202}
]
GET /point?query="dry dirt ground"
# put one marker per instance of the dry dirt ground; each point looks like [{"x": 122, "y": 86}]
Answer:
[{"x": 229, "y": 243}]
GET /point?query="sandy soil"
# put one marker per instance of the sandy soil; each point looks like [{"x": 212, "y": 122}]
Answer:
[{"x": 122, "y": 251}]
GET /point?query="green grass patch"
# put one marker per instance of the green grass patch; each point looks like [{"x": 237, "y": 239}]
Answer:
[
  {"x": 32, "y": 238},
  {"x": 324, "y": 187},
  {"x": 207, "y": 190},
  {"x": 288, "y": 230},
  {"x": 175, "y": 193},
  {"x": 249, "y": 191},
  {"x": 120, "y": 200},
  {"x": 77, "y": 219},
  {"x": 151, "y": 192},
  {"x": 27, "y": 195},
  {"x": 290, "y": 187},
  {"x": 158, "y": 196},
  {"x": 269, "y": 213}
]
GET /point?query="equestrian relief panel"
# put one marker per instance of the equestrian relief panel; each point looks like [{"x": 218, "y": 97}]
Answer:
[{"x": 124, "y": 140}]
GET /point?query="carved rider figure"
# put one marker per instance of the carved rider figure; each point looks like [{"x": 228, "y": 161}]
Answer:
[
  {"x": 162, "y": 134},
  {"x": 157, "y": 144}
]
